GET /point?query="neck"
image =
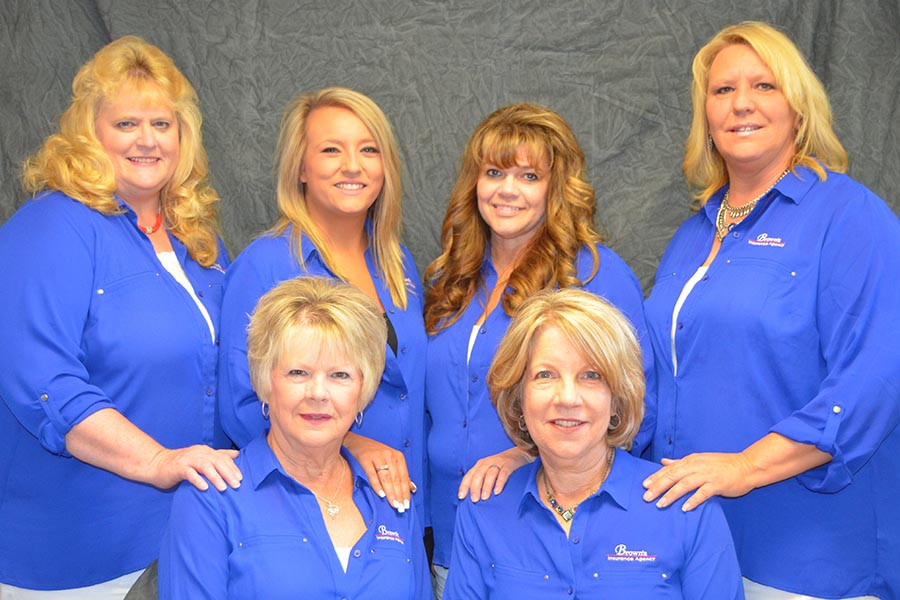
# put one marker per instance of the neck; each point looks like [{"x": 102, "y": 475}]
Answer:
[
  {"x": 505, "y": 256},
  {"x": 346, "y": 237},
  {"x": 747, "y": 185},
  {"x": 576, "y": 481},
  {"x": 309, "y": 465}
]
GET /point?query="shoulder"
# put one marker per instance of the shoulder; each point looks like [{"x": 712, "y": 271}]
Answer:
[
  {"x": 613, "y": 273},
  {"x": 504, "y": 506}
]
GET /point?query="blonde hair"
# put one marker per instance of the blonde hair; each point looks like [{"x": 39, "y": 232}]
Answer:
[
  {"x": 549, "y": 260},
  {"x": 603, "y": 337},
  {"x": 74, "y": 162},
  {"x": 385, "y": 213},
  {"x": 338, "y": 316},
  {"x": 814, "y": 142}
]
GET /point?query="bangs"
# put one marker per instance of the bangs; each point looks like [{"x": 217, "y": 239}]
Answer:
[
  {"x": 324, "y": 336},
  {"x": 500, "y": 147}
]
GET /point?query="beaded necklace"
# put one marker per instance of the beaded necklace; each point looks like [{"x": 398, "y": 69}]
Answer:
[
  {"x": 738, "y": 212},
  {"x": 568, "y": 513}
]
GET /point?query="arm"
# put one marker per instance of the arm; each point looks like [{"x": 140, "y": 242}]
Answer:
[
  {"x": 193, "y": 561},
  {"x": 465, "y": 578},
  {"x": 711, "y": 568},
  {"x": 490, "y": 474},
  {"x": 394, "y": 482},
  {"x": 773, "y": 458},
  {"x": 108, "y": 440}
]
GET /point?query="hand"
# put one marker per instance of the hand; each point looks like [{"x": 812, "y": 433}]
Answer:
[
  {"x": 709, "y": 473},
  {"x": 385, "y": 468},
  {"x": 195, "y": 464},
  {"x": 490, "y": 474}
]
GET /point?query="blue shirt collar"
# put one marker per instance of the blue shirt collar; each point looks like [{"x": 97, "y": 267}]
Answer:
[
  {"x": 261, "y": 464},
  {"x": 794, "y": 187}
]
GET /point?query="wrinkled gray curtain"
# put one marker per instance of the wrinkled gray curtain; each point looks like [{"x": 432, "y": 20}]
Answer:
[{"x": 617, "y": 70}]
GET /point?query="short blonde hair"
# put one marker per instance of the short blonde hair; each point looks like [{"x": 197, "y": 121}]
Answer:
[
  {"x": 74, "y": 161},
  {"x": 602, "y": 336},
  {"x": 814, "y": 142},
  {"x": 342, "y": 318},
  {"x": 550, "y": 259},
  {"x": 385, "y": 214}
]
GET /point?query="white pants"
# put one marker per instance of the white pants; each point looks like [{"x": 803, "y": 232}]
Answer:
[
  {"x": 756, "y": 591},
  {"x": 109, "y": 590}
]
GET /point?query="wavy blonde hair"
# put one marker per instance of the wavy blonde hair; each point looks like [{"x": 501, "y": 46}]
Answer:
[
  {"x": 332, "y": 315},
  {"x": 815, "y": 143},
  {"x": 385, "y": 213},
  {"x": 603, "y": 337},
  {"x": 549, "y": 259},
  {"x": 74, "y": 162}
]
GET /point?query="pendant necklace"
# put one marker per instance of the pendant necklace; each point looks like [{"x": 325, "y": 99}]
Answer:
[
  {"x": 568, "y": 513},
  {"x": 739, "y": 212},
  {"x": 330, "y": 507}
]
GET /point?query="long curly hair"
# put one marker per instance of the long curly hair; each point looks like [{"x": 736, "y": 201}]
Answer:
[
  {"x": 74, "y": 162},
  {"x": 385, "y": 213},
  {"x": 549, "y": 259},
  {"x": 814, "y": 142}
]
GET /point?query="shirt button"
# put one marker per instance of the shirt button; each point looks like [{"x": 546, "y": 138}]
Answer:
[
  {"x": 669, "y": 440},
  {"x": 356, "y": 553},
  {"x": 209, "y": 391},
  {"x": 465, "y": 423},
  {"x": 403, "y": 350},
  {"x": 596, "y": 575},
  {"x": 474, "y": 378},
  {"x": 391, "y": 311},
  {"x": 705, "y": 277},
  {"x": 407, "y": 444},
  {"x": 736, "y": 234},
  {"x": 483, "y": 331},
  {"x": 200, "y": 293},
  {"x": 569, "y": 591},
  {"x": 44, "y": 397},
  {"x": 576, "y": 539},
  {"x": 837, "y": 410},
  {"x": 681, "y": 326},
  {"x": 403, "y": 396},
  {"x": 462, "y": 472}
]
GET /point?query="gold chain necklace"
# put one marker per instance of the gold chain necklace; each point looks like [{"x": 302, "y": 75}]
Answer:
[
  {"x": 738, "y": 212},
  {"x": 568, "y": 513},
  {"x": 330, "y": 507}
]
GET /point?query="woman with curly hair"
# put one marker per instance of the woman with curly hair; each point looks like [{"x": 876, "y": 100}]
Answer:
[
  {"x": 112, "y": 278},
  {"x": 520, "y": 219}
]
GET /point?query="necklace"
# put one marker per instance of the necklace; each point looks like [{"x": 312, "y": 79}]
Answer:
[
  {"x": 568, "y": 513},
  {"x": 330, "y": 507},
  {"x": 156, "y": 224},
  {"x": 738, "y": 212}
]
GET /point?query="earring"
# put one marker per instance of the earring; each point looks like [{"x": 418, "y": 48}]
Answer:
[
  {"x": 614, "y": 422},
  {"x": 522, "y": 426},
  {"x": 358, "y": 419},
  {"x": 710, "y": 145},
  {"x": 265, "y": 410}
]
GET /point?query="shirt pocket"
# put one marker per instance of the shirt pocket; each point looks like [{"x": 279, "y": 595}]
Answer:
[
  {"x": 519, "y": 584},
  {"x": 634, "y": 581}
]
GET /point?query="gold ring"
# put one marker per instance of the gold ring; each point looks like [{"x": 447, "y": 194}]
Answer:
[{"x": 383, "y": 468}]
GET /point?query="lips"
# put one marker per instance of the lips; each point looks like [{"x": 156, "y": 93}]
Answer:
[
  {"x": 567, "y": 423},
  {"x": 745, "y": 129},
  {"x": 315, "y": 417},
  {"x": 350, "y": 187},
  {"x": 144, "y": 160},
  {"x": 506, "y": 209}
]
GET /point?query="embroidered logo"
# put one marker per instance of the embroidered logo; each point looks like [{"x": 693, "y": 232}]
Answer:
[
  {"x": 763, "y": 239},
  {"x": 623, "y": 554},
  {"x": 383, "y": 533}
]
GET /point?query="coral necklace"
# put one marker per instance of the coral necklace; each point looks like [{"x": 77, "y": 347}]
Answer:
[{"x": 156, "y": 224}]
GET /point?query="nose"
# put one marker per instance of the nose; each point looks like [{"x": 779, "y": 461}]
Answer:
[
  {"x": 351, "y": 163},
  {"x": 146, "y": 135},
  {"x": 743, "y": 99},
  {"x": 508, "y": 186},
  {"x": 567, "y": 392},
  {"x": 317, "y": 388}
]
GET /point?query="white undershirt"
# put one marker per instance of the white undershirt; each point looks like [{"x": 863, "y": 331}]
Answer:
[
  {"x": 343, "y": 554},
  {"x": 472, "y": 338},
  {"x": 170, "y": 262},
  {"x": 685, "y": 292}
]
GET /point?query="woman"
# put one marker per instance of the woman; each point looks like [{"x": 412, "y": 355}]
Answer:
[
  {"x": 568, "y": 385},
  {"x": 112, "y": 280},
  {"x": 520, "y": 219},
  {"x": 306, "y": 523},
  {"x": 339, "y": 197},
  {"x": 774, "y": 322}
]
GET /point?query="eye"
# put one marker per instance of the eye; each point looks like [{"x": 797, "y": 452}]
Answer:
[
  {"x": 593, "y": 376},
  {"x": 544, "y": 374},
  {"x": 531, "y": 176},
  {"x": 162, "y": 124},
  {"x": 722, "y": 89},
  {"x": 492, "y": 172},
  {"x": 125, "y": 124},
  {"x": 342, "y": 375},
  {"x": 371, "y": 150},
  {"x": 297, "y": 373},
  {"x": 766, "y": 86},
  {"x": 330, "y": 150}
]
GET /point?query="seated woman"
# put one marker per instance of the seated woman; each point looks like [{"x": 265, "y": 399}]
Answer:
[
  {"x": 568, "y": 385},
  {"x": 305, "y": 521}
]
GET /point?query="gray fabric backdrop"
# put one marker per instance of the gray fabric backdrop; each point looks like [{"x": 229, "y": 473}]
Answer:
[{"x": 617, "y": 70}]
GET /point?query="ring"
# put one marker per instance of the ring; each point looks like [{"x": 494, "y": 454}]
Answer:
[
  {"x": 492, "y": 466},
  {"x": 383, "y": 468}
]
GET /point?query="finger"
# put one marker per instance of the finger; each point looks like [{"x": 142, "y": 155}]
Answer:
[
  {"x": 374, "y": 479},
  {"x": 676, "y": 491},
  {"x": 401, "y": 481},
  {"x": 696, "y": 499},
  {"x": 490, "y": 480},
  {"x": 196, "y": 480},
  {"x": 502, "y": 478}
]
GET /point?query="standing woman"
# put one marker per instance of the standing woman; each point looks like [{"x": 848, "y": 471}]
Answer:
[
  {"x": 774, "y": 319},
  {"x": 112, "y": 280},
  {"x": 339, "y": 196},
  {"x": 520, "y": 219}
]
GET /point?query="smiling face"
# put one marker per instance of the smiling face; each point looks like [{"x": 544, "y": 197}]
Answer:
[
  {"x": 314, "y": 396},
  {"x": 749, "y": 118},
  {"x": 140, "y": 135},
  {"x": 566, "y": 402},
  {"x": 513, "y": 201},
  {"x": 342, "y": 166}
]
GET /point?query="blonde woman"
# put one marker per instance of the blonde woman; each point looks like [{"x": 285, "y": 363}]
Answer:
[
  {"x": 774, "y": 322},
  {"x": 108, "y": 326},
  {"x": 339, "y": 196}
]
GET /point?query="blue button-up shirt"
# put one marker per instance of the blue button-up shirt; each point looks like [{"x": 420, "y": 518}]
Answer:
[
  {"x": 267, "y": 539},
  {"x": 395, "y": 417},
  {"x": 794, "y": 329},
  {"x": 91, "y": 320},
  {"x": 511, "y": 546},
  {"x": 465, "y": 426}
]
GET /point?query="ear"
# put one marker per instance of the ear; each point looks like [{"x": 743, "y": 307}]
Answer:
[{"x": 302, "y": 173}]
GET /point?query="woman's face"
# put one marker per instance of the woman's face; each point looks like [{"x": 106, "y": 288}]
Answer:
[
  {"x": 513, "y": 201},
  {"x": 140, "y": 135},
  {"x": 749, "y": 118},
  {"x": 342, "y": 166},
  {"x": 314, "y": 396},
  {"x": 566, "y": 402}
]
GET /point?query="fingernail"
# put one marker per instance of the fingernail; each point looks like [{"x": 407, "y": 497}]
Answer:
[
  {"x": 646, "y": 483},
  {"x": 381, "y": 494},
  {"x": 460, "y": 496},
  {"x": 406, "y": 504},
  {"x": 648, "y": 496},
  {"x": 662, "y": 503},
  {"x": 396, "y": 504},
  {"x": 415, "y": 488}
]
